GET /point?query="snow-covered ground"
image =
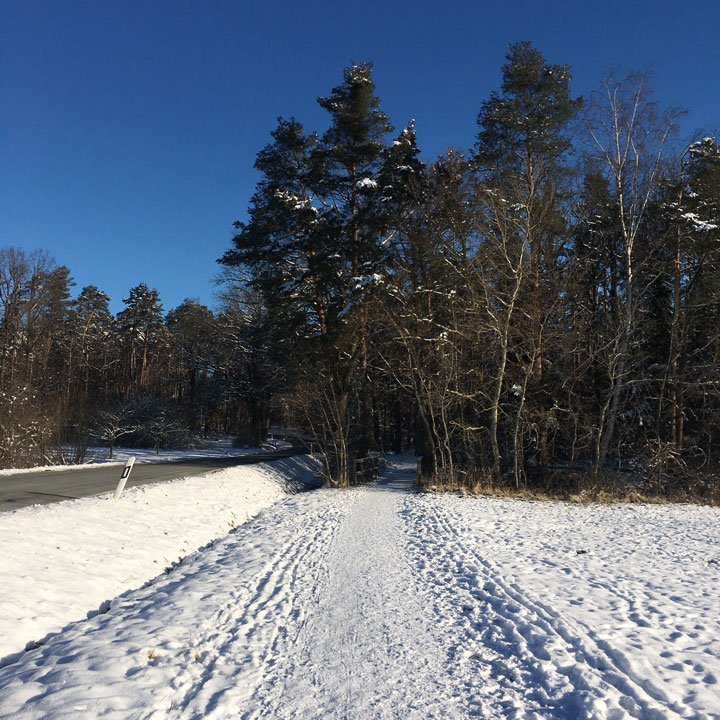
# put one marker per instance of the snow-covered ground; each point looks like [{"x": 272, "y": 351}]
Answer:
[
  {"x": 95, "y": 456},
  {"x": 63, "y": 561},
  {"x": 378, "y": 602}
]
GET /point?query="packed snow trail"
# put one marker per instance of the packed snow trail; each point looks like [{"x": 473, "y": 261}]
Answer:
[
  {"x": 378, "y": 602},
  {"x": 366, "y": 649},
  {"x": 309, "y": 611}
]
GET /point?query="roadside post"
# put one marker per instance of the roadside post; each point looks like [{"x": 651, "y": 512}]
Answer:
[{"x": 121, "y": 483}]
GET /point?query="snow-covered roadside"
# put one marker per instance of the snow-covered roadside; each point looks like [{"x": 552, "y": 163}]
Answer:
[
  {"x": 100, "y": 456},
  {"x": 61, "y": 562}
]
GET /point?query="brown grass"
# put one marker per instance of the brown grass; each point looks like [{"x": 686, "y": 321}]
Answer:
[{"x": 703, "y": 490}]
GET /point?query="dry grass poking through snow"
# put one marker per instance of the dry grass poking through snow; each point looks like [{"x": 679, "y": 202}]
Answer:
[{"x": 582, "y": 490}]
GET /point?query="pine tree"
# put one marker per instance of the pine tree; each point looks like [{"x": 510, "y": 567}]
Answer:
[
  {"x": 520, "y": 155},
  {"x": 313, "y": 246},
  {"x": 347, "y": 163},
  {"x": 693, "y": 214},
  {"x": 142, "y": 326},
  {"x": 192, "y": 333},
  {"x": 277, "y": 247},
  {"x": 93, "y": 344}
]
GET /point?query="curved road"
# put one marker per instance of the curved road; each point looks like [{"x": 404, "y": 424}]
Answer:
[{"x": 39, "y": 488}]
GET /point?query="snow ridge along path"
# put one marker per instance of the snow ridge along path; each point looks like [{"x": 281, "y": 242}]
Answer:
[{"x": 378, "y": 602}]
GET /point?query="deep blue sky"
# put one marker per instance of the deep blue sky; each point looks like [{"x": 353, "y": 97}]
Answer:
[{"x": 128, "y": 130}]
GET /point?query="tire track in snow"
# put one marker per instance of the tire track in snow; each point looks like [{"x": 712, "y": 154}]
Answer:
[{"x": 179, "y": 644}]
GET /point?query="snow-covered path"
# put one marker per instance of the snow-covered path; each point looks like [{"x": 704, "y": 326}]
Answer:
[
  {"x": 367, "y": 645},
  {"x": 381, "y": 603}
]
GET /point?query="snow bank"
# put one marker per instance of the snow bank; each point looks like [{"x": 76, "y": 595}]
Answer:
[{"x": 62, "y": 562}]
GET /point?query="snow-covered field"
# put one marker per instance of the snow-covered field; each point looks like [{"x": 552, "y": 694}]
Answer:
[
  {"x": 101, "y": 455},
  {"x": 381, "y": 603}
]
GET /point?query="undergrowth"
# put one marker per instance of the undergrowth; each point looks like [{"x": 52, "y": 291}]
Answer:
[{"x": 582, "y": 488}]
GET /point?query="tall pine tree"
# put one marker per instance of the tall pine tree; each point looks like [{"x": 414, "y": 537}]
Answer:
[
  {"x": 314, "y": 247},
  {"x": 520, "y": 155}
]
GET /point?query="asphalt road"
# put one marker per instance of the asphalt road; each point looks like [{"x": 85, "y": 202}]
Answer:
[{"x": 39, "y": 488}]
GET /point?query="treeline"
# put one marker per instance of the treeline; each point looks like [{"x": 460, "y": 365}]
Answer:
[
  {"x": 72, "y": 373},
  {"x": 541, "y": 310}
]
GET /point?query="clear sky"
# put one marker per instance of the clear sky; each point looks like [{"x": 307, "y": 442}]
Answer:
[{"x": 128, "y": 130}]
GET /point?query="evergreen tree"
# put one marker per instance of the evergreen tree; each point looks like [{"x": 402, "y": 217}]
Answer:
[
  {"x": 192, "y": 332},
  {"x": 94, "y": 341},
  {"x": 692, "y": 211},
  {"x": 141, "y": 325},
  {"x": 314, "y": 247},
  {"x": 593, "y": 280},
  {"x": 520, "y": 155},
  {"x": 346, "y": 167},
  {"x": 277, "y": 247}
]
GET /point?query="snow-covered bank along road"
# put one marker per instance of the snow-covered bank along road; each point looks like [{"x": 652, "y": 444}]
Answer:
[
  {"x": 380, "y": 603},
  {"x": 61, "y": 562}
]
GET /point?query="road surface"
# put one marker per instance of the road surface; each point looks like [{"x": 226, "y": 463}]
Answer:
[{"x": 39, "y": 488}]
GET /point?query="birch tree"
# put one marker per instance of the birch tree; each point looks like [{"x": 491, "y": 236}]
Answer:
[{"x": 629, "y": 140}]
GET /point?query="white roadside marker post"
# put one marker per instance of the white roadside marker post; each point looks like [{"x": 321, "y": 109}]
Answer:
[{"x": 121, "y": 483}]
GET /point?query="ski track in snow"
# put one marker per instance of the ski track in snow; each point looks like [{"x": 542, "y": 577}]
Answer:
[{"x": 381, "y": 603}]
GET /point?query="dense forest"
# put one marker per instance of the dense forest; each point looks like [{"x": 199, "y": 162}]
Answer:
[
  {"x": 541, "y": 310},
  {"x": 72, "y": 374}
]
